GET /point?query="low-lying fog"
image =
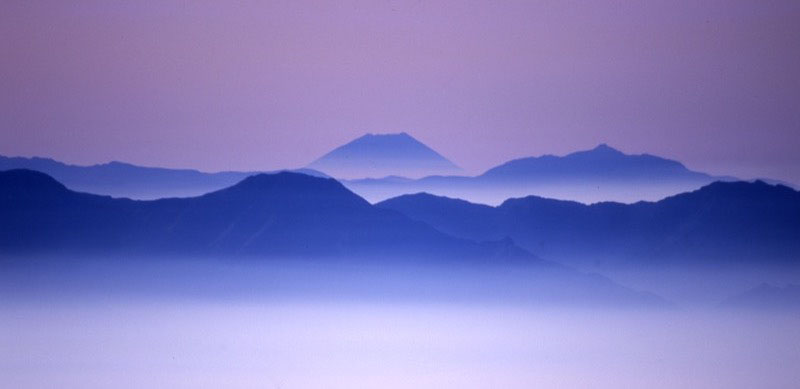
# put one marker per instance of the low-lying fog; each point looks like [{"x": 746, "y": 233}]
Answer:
[{"x": 84, "y": 324}]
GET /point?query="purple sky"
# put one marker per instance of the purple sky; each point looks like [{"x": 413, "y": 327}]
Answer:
[{"x": 264, "y": 85}]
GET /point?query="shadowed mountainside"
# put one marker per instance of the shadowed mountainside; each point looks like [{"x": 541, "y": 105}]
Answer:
[
  {"x": 724, "y": 222},
  {"x": 695, "y": 248},
  {"x": 281, "y": 216},
  {"x": 267, "y": 214}
]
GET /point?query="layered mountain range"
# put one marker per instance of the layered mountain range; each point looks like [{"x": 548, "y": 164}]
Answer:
[
  {"x": 378, "y": 167},
  {"x": 599, "y": 174},
  {"x": 545, "y": 206},
  {"x": 282, "y": 216},
  {"x": 723, "y": 222},
  {"x": 697, "y": 247},
  {"x": 279, "y": 214},
  {"x": 120, "y": 179}
]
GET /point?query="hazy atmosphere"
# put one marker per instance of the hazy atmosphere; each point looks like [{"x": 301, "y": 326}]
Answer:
[
  {"x": 240, "y": 325},
  {"x": 268, "y": 85},
  {"x": 399, "y": 194}
]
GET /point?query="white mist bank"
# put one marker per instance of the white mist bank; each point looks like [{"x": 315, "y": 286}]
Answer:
[
  {"x": 703, "y": 286},
  {"x": 138, "y": 322},
  {"x": 402, "y": 345},
  {"x": 378, "y": 280}
]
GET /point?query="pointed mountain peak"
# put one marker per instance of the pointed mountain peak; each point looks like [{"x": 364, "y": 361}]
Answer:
[
  {"x": 394, "y": 139},
  {"x": 401, "y": 134},
  {"x": 381, "y": 155},
  {"x": 604, "y": 148},
  {"x": 600, "y": 163}
]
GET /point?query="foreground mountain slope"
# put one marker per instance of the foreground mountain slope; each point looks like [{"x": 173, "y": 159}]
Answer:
[
  {"x": 277, "y": 214},
  {"x": 282, "y": 216},
  {"x": 695, "y": 248},
  {"x": 599, "y": 174},
  {"x": 721, "y": 222},
  {"x": 381, "y": 155}
]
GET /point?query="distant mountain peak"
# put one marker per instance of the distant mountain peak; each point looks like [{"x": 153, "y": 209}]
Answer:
[
  {"x": 392, "y": 139},
  {"x": 602, "y": 150},
  {"x": 604, "y": 147},
  {"x": 380, "y": 155},
  {"x": 401, "y": 134},
  {"x": 602, "y": 162}
]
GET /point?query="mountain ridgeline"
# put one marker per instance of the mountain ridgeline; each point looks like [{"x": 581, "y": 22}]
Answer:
[
  {"x": 119, "y": 179},
  {"x": 724, "y": 222},
  {"x": 600, "y": 174},
  {"x": 282, "y": 217},
  {"x": 394, "y": 161},
  {"x": 284, "y": 214},
  {"x": 601, "y": 163}
]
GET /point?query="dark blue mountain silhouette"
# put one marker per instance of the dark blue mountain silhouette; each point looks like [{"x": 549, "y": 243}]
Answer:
[
  {"x": 266, "y": 214},
  {"x": 723, "y": 222},
  {"x": 120, "y": 179},
  {"x": 381, "y": 155},
  {"x": 766, "y": 296},
  {"x": 281, "y": 216},
  {"x": 600, "y": 174}
]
